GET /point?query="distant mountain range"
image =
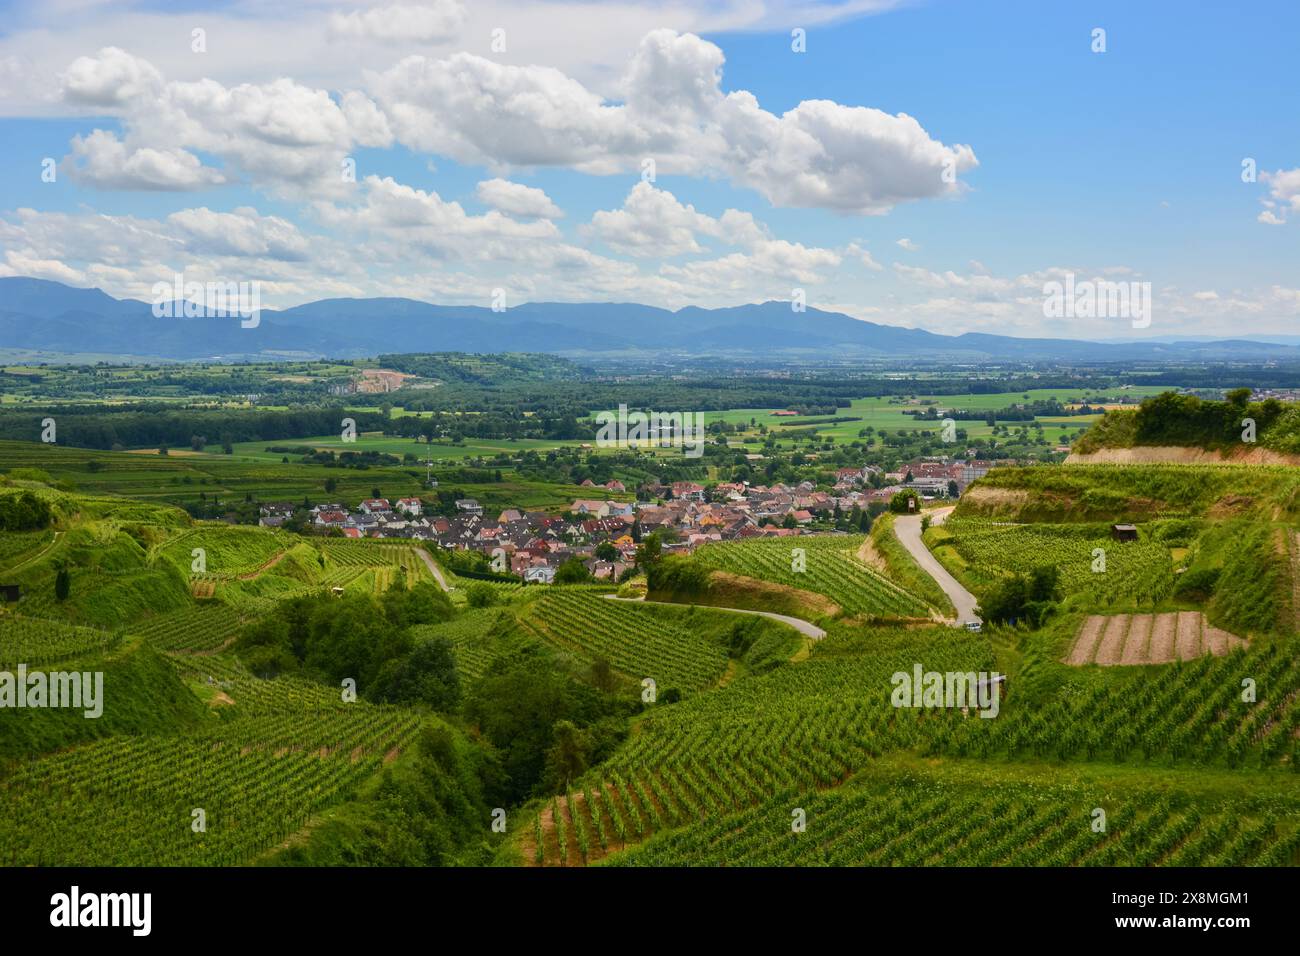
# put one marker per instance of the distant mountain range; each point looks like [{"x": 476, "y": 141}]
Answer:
[{"x": 37, "y": 315}]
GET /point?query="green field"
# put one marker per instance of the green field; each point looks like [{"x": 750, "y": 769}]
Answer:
[
  {"x": 183, "y": 478},
  {"x": 887, "y": 413}
]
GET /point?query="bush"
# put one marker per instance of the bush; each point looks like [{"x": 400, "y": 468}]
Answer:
[
  {"x": 1025, "y": 597},
  {"x": 677, "y": 574},
  {"x": 481, "y": 595},
  {"x": 1197, "y": 585}
]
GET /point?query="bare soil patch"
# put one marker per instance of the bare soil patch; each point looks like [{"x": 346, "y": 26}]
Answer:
[
  {"x": 1179, "y": 455},
  {"x": 1148, "y": 639},
  {"x": 1138, "y": 642},
  {"x": 1085, "y": 642},
  {"x": 1111, "y": 648},
  {"x": 1163, "y": 630},
  {"x": 868, "y": 555}
]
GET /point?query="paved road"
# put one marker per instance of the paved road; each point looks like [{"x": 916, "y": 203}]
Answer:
[
  {"x": 799, "y": 624},
  {"x": 908, "y": 530}
]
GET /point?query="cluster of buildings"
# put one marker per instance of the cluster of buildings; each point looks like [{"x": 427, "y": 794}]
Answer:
[{"x": 604, "y": 534}]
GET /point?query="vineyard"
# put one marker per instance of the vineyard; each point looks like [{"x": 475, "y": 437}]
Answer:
[
  {"x": 638, "y": 642},
  {"x": 814, "y": 726},
  {"x": 129, "y": 801},
  {"x": 917, "y": 821},
  {"x": 37, "y": 642},
  {"x": 1133, "y": 573},
  {"x": 831, "y": 569},
  {"x": 207, "y": 627},
  {"x": 227, "y": 549},
  {"x": 470, "y": 637},
  {"x": 1193, "y": 712},
  {"x": 18, "y": 546},
  {"x": 798, "y": 728},
  {"x": 289, "y": 744},
  {"x": 1192, "y": 751},
  {"x": 1099, "y": 492}
]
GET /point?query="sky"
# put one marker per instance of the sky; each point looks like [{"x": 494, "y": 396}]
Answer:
[{"x": 924, "y": 163}]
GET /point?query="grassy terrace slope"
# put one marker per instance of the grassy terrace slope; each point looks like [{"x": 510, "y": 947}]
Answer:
[{"x": 1133, "y": 492}]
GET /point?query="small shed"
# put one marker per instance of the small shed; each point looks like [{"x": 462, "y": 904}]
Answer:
[{"x": 1124, "y": 532}]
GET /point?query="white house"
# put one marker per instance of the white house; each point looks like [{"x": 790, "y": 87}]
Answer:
[{"x": 410, "y": 506}]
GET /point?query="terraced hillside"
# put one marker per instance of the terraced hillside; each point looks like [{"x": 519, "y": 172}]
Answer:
[
  {"x": 831, "y": 568},
  {"x": 638, "y": 642}
]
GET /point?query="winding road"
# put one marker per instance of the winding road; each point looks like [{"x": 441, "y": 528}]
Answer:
[
  {"x": 907, "y": 528},
  {"x": 798, "y": 623}
]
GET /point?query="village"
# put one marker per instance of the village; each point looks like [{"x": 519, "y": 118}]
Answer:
[{"x": 603, "y": 534}]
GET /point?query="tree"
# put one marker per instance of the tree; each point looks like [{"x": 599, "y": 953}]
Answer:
[
  {"x": 602, "y": 675},
  {"x": 648, "y": 551},
  {"x": 572, "y": 571},
  {"x": 427, "y": 675},
  {"x": 330, "y": 484},
  {"x": 953, "y": 490},
  {"x": 899, "y": 504},
  {"x": 24, "y": 512},
  {"x": 62, "y": 584},
  {"x": 568, "y": 755},
  {"x": 607, "y": 552},
  {"x": 374, "y": 493},
  {"x": 1029, "y": 597}
]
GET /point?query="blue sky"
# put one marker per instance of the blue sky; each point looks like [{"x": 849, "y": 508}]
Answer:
[{"x": 1117, "y": 166}]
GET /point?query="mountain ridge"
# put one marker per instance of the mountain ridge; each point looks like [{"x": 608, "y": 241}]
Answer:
[{"x": 48, "y": 316}]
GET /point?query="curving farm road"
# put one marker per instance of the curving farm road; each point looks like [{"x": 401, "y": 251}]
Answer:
[
  {"x": 907, "y": 528},
  {"x": 432, "y": 565},
  {"x": 799, "y": 624}
]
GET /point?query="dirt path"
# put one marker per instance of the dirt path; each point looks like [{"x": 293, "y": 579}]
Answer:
[
  {"x": 432, "y": 565},
  {"x": 799, "y": 624},
  {"x": 907, "y": 528},
  {"x": 37, "y": 556},
  {"x": 266, "y": 566}
]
